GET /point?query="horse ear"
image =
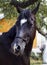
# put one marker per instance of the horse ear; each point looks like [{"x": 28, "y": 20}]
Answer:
[
  {"x": 36, "y": 9},
  {"x": 19, "y": 9}
]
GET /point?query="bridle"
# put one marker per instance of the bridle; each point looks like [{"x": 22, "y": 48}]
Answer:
[{"x": 22, "y": 39}]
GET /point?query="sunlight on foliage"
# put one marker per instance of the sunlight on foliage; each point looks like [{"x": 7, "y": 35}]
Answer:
[{"x": 11, "y": 12}]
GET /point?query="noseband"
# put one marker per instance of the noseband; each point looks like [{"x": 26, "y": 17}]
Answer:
[{"x": 22, "y": 39}]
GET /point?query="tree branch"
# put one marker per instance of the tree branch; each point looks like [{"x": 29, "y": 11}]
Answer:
[
  {"x": 40, "y": 31},
  {"x": 22, "y": 4}
]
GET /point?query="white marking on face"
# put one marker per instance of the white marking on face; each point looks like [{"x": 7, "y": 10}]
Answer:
[
  {"x": 14, "y": 47},
  {"x": 1, "y": 33},
  {"x": 23, "y": 21}
]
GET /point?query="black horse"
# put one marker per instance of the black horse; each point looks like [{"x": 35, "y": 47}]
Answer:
[{"x": 16, "y": 44}]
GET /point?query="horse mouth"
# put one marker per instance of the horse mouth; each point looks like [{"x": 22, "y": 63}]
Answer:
[{"x": 15, "y": 53}]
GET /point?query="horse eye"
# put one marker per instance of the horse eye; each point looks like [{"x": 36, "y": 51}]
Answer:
[
  {"x": 30, "y": 24},
  {"x": 32, "y": 19}
]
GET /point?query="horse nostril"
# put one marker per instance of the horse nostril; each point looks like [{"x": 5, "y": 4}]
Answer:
[{"x": 18, "y": 49}]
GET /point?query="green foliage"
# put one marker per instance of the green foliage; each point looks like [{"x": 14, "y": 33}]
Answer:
[
  {"x": 7, "y": 9},
  {"x": 10, "y": 11},
  {"x": 43, "y": 12}
]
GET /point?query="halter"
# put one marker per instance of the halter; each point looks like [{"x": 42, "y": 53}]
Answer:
[{"x": 22, "y": 39}]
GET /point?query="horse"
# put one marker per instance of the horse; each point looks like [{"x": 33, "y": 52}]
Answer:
[{"x": 16, "y": 44}]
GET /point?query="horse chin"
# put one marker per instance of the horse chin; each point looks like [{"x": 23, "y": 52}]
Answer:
[{"x": 16, "y": 54}]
